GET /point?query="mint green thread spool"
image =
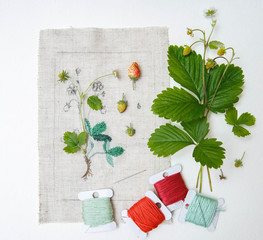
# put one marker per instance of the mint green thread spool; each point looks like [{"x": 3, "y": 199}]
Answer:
[
  {"x": 201, "y": 211},
  {"x": 97, "y": 211}
]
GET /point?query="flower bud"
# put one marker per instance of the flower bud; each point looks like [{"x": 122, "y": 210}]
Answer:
[
  {"x": 221, "y": 51},
  {"x": 190, "y": 32},
  {"x": 210, "y": 63}
]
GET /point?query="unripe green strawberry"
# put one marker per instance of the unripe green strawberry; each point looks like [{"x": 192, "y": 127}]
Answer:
[
  {"x": 210, "y": 63},
  {"x": 122, "y": 104},
  {"x": 187, "y": 50},
  {"x": 130, "y": 130},
  {"x": 221, "y": 51},
  {"x": 238, "y": 163},
  {"x": 134, "y": 72}
]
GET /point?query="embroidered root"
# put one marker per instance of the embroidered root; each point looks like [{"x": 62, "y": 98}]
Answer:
[{"x": 88, "y": 172}]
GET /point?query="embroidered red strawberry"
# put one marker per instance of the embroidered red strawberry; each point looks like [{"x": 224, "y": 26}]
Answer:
[{"x": 134, "y": 72}]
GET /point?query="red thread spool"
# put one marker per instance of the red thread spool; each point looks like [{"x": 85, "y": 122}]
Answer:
[
  {"x": 171, "y": 189},
  {"x": 146, "y": 215}
]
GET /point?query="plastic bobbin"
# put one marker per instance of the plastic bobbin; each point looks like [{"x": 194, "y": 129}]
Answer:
[
  {"x": 140, "y": 234},
  {"x": 102, "y": 193},
  {"x": 189, "y": 198},
  {"x": 161, "y": 175}
]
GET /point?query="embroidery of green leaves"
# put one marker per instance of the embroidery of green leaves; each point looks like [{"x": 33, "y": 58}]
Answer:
[
  {"x": 244, "y": 119},
  {"x": 169, "y": 139},
  {"x": 74, "y": 141},
  {"x": 96, "y": 134}
]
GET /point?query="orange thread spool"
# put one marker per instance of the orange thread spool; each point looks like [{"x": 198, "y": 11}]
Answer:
[{"x": 146, "y": 215}]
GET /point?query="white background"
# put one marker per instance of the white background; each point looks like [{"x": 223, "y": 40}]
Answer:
[{"x": 239, "y": 25}]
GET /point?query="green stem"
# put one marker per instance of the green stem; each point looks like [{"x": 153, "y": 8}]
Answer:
[
  {"x": 205, "y": 47},
  {"x": 80, "y": 113},
  {"x": 197, "y": 29},
  {"x": 83, "y": 149},
  {"x": 229, "y": 62},
  {"x": 222, "y": 58},
  {"x": 197, "y": 182},
  {"x": 195, "y": 43},
  {"x": 243, "y": 156},
  {"x": 217, "y": 89},
  {"x": 96, "y": 153},
  {"x": 209, "y": 178},
  {"x": 201, "y": 179},
  {"x": 210, "y": 35}
]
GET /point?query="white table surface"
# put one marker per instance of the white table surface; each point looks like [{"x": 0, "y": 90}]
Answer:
[{"x": 239, "y": 25}]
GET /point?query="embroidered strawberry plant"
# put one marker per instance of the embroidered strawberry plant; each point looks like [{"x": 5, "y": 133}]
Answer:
[
  {"x": 82, "y": 142},
  {"x": 207, "y": 86}
]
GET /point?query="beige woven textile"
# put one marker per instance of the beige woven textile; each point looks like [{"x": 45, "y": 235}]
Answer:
[{"x": 87, "y": 54}]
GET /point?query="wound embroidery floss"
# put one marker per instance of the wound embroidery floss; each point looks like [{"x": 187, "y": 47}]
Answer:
[
  {"x": 146, "y": 215},
  {"x": 171, "y": 189},
  {"x": 97, "y": 211},
  {"x": 200, "y": 210}
]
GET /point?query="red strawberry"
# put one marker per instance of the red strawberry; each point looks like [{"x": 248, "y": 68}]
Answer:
[{"x": 134, "y": 72}]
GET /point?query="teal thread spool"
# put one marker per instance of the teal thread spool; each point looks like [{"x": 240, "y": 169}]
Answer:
[
  {"x": 201, "y": 211},
  {"x": 97, "y": 211}
]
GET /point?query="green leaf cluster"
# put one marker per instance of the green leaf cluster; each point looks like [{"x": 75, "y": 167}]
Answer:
[
  {"x": 187, "y": 105},
  {"x": 111, "y": 152},
  {"x": 246, "y": 118},
  {"x": 97, "y": 130},
  {"x": 74, "y": 141},
  {"x": 96, "y": 134},
  {"x": 169, "y": 139}
]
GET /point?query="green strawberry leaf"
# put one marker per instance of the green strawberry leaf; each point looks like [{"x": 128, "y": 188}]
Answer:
[
  {"x": 231, "y": 116},
  {"x": 69, "y": 149},
  {"x": 209, "y": 153},
  {"x": 178, "y": 105},
  {"x": 71, "y": 139},
  {"x": 240, "y": 131},
  {"x": 101, "y": 137},
  {"x": 87, "y": 126},
  {"x": 246, "y": 119},
  {"x": 109, "y": 160},
  {"x": 228, "y": 90},
  {"x": 82, "y": 138},
  {"x": 197, "y": 129},
  {"x": 215, "y": 44},
  {"x": 116, "y": 151},
  {"x": 94, "y": 102},
  {"x": 99, "y": 128},
  {"x": 106, "y": 145},
  {"x": 187, "y": 70},
  {"x": 167, "y": 140}
]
